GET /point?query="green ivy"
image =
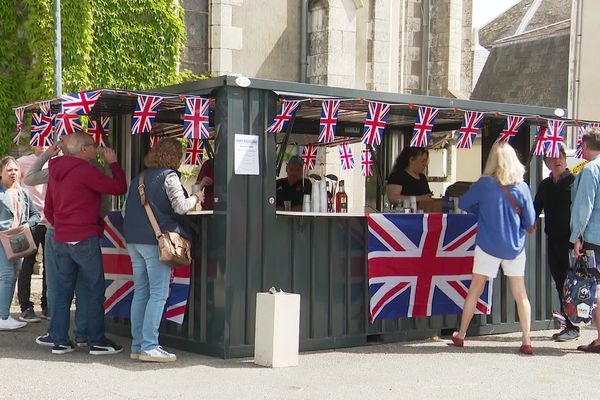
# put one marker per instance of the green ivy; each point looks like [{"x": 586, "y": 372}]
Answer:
[{"x": 130, "y": 44}]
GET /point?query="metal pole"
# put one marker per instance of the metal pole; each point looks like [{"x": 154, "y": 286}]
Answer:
[{"x": 57, "y": 50}]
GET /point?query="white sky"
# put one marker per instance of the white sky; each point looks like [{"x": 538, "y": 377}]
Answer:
[{"x": 486, "y": 10}]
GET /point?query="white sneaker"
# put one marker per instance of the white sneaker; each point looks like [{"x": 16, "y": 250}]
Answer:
[
  {"x": 157, "y": 355},
  {"x": 10, "y": 323}
]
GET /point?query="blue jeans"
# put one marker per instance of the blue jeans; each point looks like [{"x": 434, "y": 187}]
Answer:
[
  {"x": 81, "y": 261},
  {"x": 9, "y": 271},
  {"x": 151, "y": 280},
  {"x": 51, "y": 285}
]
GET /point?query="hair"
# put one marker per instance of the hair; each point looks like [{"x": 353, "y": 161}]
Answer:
[
  {"x": 591, "y": 138},
  {"x": 504, "y": 165},
  {"x": 76, "y": 141},
  {"x": 167, "y": 153},
  {"x": 561, "y": 150},
  {"x": 4, "y": 161},
  {"x": 406, "y": 155}
]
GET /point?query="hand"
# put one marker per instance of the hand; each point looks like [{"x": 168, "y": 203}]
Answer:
[
  {"x": 206, "y": 181},
  {"x": 578, "y": 248},
  {"x": 109, "y": 155},
  {"x": 200, "y": 196},
  {"x": 424, "y": 197},
  {"x": 55, "y": 148}
]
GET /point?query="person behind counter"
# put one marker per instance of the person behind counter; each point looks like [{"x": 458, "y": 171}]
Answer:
[
  {"x": 292, "y": 188},
  {"x": 407, "y": 178}
]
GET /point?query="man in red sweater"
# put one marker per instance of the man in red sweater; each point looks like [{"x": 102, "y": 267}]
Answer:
[{"x": 73, "y": 200}]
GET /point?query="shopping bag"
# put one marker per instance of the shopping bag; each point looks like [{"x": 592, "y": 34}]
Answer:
[{"x": 579, "y": 291}]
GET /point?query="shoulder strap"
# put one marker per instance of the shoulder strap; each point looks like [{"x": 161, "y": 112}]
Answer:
[
  {"x": 511, "y": 200},
  {"x": 146, "y": 204}
]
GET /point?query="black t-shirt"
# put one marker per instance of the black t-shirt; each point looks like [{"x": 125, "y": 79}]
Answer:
[
  {"x": 410, "y": 185},
  {"x": 294, "y": 193},
  {"x": 555, "y": 200}
]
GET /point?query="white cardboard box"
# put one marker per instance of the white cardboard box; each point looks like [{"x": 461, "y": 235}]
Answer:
[{"x": 276, "y": 334}]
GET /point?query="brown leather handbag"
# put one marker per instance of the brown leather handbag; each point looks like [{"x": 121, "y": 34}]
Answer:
[{"x": 173, "y": 249}]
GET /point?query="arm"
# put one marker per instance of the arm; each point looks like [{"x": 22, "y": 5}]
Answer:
[
  {"x": 34, "y": 215},
  {"x": 529, "y": 212},
  {"x": 394, "y": 194},
  {"x": 36, "y": 174},
  {"x": 583, "y": 204},
  {"x": 538, "y": 202},
  {"x": 179, "y": 202}
]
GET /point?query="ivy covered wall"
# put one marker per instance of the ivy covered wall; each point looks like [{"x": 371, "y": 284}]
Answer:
[{"x": 129, "y": 44}]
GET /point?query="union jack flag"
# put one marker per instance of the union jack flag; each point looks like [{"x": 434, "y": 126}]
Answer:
[
  {"x": 511, "y": 128},
  {"x": 145, "y": 112},
  {"x": 45, "y": 107},
  {"x": 582, "y": 129},
  {"x": 346, "y": 157},
  {"x": 553, "y": 139},
  {"x": 421, "y": 265},
  {"x": 377, "y": 116},
  {"x": 195, "y": 119},
  {"x": 118, "y": 276},
  {"x": 328, "y": 124},
  {"x": 19, "y": 115},
  {"x": 65, "y": 124},
  {"x": 153, "y": 140},
  {"x": 98, "y": 134},
  {"x": 80, "y": 103},
  {"x": 469, "y": 129},
  {"x": 194, "y": 152},
  {"x": 541, "y": 141},
  {"x": 309, "y": 155},
  {"x": 288, "y": 109},
  {"x": 423, "y": 126},
  {"x": 41, "y": 130},
  {"x": 366, "y": 163}
]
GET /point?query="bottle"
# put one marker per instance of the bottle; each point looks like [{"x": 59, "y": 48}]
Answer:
[
  {"x": 329, "y": 198},
  {"x": 341, "y": 200},
  {"x": 323, "y": 196},
  {"x": 306, "y": 203},
  {"x": 315, "y": 197}
]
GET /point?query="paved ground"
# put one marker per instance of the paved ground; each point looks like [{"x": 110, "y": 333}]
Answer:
[{"x": 488, "y": 368}]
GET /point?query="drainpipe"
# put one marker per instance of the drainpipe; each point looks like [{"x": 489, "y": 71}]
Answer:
[
  {"x": 425, "y": 49},
  {"x": 574, "y": 64},
  {"x": 303, "y": 40},
  {"x": 57, "y": 50}
]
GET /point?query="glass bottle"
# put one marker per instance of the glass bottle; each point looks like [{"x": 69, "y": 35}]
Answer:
[
  {"x": 329, "y": 198},
  {"x": 341, "y": 199}
]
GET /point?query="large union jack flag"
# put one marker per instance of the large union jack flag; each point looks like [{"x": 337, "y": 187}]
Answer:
[
  {"x": 346, "y": 156},
  {"x": 377, "y": 116},
  {"x": 194, "y": 152},
  {"x": 65, "y": 124},
  {"x": 469, "y": 129},
  {"x": 288, "y": 109},
  {"x": 41, "y": 129},
  {"x": 421, "y": 265},
  {"x": 328, "y": 123},
  {"x": 366, "y": 163},
  {"x": 98, "y": 134},
  {"x": 553, "y": 139},
  {"x": 423, "y": 126},
  {"x": 144, "y": 114},
  {"x": 80, "y": 103},
  {"x": 195, "y": 118},
  {"x": 309, "y": 156},
  {"x": 511, "y": 128},
  {"x": 118, "y": 276}
]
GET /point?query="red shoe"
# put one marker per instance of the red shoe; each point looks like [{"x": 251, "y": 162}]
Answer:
[
  {"x": 526, "y": 349},
  {"x": 456, "y": 341}
]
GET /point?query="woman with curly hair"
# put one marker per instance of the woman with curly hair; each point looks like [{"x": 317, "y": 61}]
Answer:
[{"x": 168, "y": 201}]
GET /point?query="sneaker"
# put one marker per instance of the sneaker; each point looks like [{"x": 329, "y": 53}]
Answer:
[
  {"x": 44, "y": 314},
  {"x": 157, "y": 355},
  {"x": 107, "y": 348},
  {"x": 10, "y": 323},
  {"x": 29, "y": 316},
  {"x": 82, "y": 343},
  {"x": 45, "y": 340},
  {"x": 63, "y": 348},
  {"x": 134, "y": 355},
  {"x": 567, "y": 334}
]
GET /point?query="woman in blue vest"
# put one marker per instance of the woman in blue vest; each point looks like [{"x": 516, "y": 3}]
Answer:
[{"x": 151, "y": 277}]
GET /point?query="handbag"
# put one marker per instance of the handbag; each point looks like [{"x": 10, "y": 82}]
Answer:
[
  {"x": 579, "y": 291},
  {"x": 173, "y": 249},
  {"x": 17, "y": 241},
  {"x": 514, "y": 204}
]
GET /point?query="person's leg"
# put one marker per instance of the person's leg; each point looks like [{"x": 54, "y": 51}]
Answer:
[
  {"x": 475, "y": 290},
  {"x": 141, "y": 293},
  {"x": 558, "y": 262},
  {"x": 24, "y": 280},
  {"x": 8, "y": 277},
  {"x": 66, "y": 275},
  {"x": 81, "y": 316},
  {"x": 517, "y": 287},
  {"x": 44, "y": 298},
  {"x": 50, "y": 272}
]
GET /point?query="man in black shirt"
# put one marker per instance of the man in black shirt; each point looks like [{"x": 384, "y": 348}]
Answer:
[
  {"x": 292, "y": 188},
  {"x": 554, "y": 199}
]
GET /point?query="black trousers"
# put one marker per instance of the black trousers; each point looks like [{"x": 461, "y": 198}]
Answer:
[
  {"x": 24, "y": 281},
  {"x": 557, "y": 252}
]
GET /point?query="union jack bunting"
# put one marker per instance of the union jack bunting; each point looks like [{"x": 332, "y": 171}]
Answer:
[
  {"x": 288, "y": 109},
  {"x": 98, "y": 134},
  {"x": 118, "y": 276},
  {"x": 153, "y": 140},
  {"x": 540, "y": 141},
  {"x": 65, "y": 124},
  {"x": 194, "y": 152},
  {"x": 80, "y": 103},
  {"x": 581, "y": 131},
  {"x": 41, "y": 130},
  {"x": 421, "y": 265},
  {"x": 346, "y": 157},
  {"x": 145, "y": 112},
  {"x": 553, "y": 139},
  {"x": 511, "y": 128},
  {"x": 309, "y": 155},
  {"x": 328, "y": 124},
  {"x": 469, "y": 129},
  {"x": 19, "y": 115},
  {"x": 195, "y": 118},
  {"x": 45, "y": 107},
  {"x": 366, "y": 163},
  {"x": 423, "y": 126},
  {"x": 377, "y": 116}
]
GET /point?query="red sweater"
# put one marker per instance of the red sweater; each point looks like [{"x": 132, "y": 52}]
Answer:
[{"x": 73, "y": 197}]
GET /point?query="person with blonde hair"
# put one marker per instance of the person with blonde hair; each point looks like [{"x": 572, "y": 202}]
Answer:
[{"x": 503, "y": 205}]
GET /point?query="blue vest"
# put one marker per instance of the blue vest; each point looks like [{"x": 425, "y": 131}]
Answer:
[{"x": 136, "y": 226}]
